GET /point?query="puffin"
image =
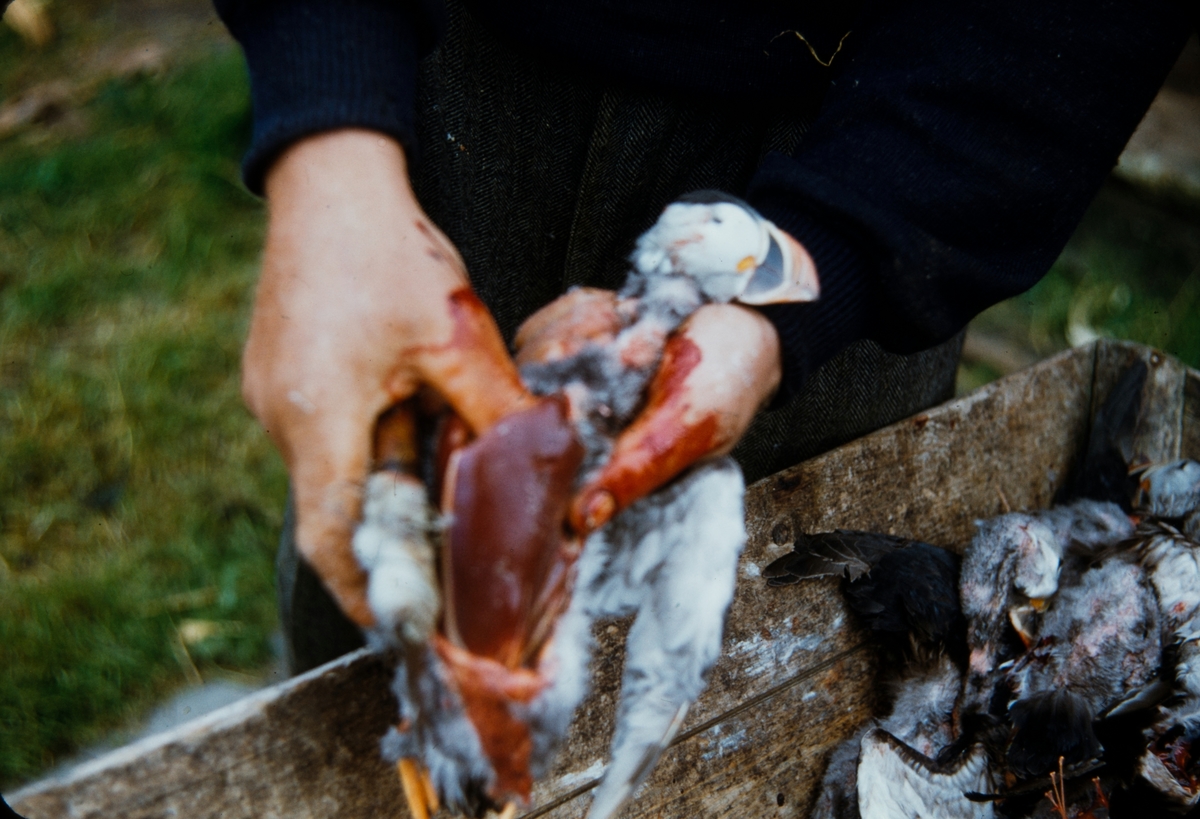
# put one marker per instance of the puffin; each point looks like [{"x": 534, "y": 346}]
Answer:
[
  {"x": 1012, "y": 568},
  {"x": 1009, "y": 570},
  {"x": 1097, "y": 646},
  {"x": 487, "y": 591}
]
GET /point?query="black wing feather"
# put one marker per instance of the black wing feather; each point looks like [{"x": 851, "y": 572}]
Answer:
[
  {"x": 1050, "y": 725},
  {"x": 1104, "y": 472},
  {"x": 841, "y": 553}
]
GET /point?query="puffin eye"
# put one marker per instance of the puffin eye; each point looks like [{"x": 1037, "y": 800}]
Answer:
[{"x": 769, "y": 274}]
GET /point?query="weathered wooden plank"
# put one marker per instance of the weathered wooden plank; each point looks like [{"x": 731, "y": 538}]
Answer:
[
  {"x": 791, "y": 684},
  {"x": 1159, "y": 434},
  {"x": 1189, "y": 445},
  {"x": 308, "y": 747},
  {"x": 742, "y": 764},
  {"x": 1011, "y": 443}
]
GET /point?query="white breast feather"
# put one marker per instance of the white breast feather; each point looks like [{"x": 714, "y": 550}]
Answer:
[{"x": 392, "y": 544}]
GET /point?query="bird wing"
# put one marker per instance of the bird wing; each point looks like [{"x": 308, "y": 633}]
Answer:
[
  {"x": 680, "y": 552},
  {"x": 1104, "y": 472},
  {"x": 895, "y": 780},
  {"x": 841, "y": 553}
]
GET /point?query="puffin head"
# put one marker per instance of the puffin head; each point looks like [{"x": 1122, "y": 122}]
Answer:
[
  {"x": 729, "y": 250},
  {"x": 1170, "y": 490}
]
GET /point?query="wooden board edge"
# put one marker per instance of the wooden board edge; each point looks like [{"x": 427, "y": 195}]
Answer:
[{"x": 224, "y": 718}]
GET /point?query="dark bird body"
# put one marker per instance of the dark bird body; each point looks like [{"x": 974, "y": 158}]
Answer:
[
  {"x": 909, "y": 762},
  {"x": 1103, "y": 473},
  {"x": 898, "y": 588}
]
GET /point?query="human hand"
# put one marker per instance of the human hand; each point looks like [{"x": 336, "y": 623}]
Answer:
[
  {"x": 716, "y": 372},
  {"x": 362, "y": 303},
  {"x": 713, "y": 372}
]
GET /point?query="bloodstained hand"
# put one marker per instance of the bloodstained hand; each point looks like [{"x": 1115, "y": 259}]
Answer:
[{"x": 717, "y": 371}]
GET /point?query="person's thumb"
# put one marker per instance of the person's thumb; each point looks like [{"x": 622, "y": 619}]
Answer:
[
  {"x": 668, "y": 436},
  {"x": 715, "y": 374},
  {"x": 473, "y": 371}
]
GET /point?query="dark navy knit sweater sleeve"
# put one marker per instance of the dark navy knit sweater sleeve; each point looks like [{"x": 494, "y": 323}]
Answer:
[
  {"x": 956, "y": 149},
  {"x": 322, "y": 64},
  {"x": 953, "y": 156}
]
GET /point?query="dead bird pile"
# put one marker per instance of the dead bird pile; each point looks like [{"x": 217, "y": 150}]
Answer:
[{"x": 1051, "y": 671}]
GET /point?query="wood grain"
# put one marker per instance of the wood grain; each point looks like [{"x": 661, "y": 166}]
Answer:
[
  {"x": 1158, "y": 436},
  {"x": 308, "y": 747},
  {"x": 1190, "y": 437}
]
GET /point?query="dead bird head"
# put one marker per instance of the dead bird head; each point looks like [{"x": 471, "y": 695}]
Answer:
[
  {"x": 1013, "y": 561},
  {"x": 1169, "y": 490},
  {"x": 720, "y": 248}
]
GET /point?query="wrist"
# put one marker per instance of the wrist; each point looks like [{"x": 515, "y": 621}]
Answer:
[
  {"x": 341, "y": 204},
  {"x": 348, "y": 164}
]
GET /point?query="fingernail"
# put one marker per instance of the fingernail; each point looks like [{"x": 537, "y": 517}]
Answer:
[{"x": 598, "y": 509}]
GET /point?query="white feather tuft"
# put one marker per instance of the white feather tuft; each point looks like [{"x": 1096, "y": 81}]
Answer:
[{"x": 392, "y": 544}]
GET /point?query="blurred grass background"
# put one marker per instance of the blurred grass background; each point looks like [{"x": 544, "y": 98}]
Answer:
[
  {"x": 139, "y": 502},
  {"x": 1132, "y": 270}
]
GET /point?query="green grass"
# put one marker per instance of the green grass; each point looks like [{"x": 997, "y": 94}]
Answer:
[
  {"x": 1132, "y": 271},
  {"x": 135, "y": 490}
]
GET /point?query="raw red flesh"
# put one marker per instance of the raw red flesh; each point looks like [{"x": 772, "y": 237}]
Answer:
[
  {"x": 509, "y": 491},
  {"x": 1177, "y": 758},
  {"x": 488, "y": 690}
]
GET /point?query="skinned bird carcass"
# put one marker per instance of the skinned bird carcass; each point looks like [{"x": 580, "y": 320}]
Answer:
[{"x": 492, "y": 600}]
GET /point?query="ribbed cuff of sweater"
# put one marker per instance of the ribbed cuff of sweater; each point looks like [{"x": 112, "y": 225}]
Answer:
[
  {"x": 811, "y": 334},
  {"x": 317, "y": 65}
]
